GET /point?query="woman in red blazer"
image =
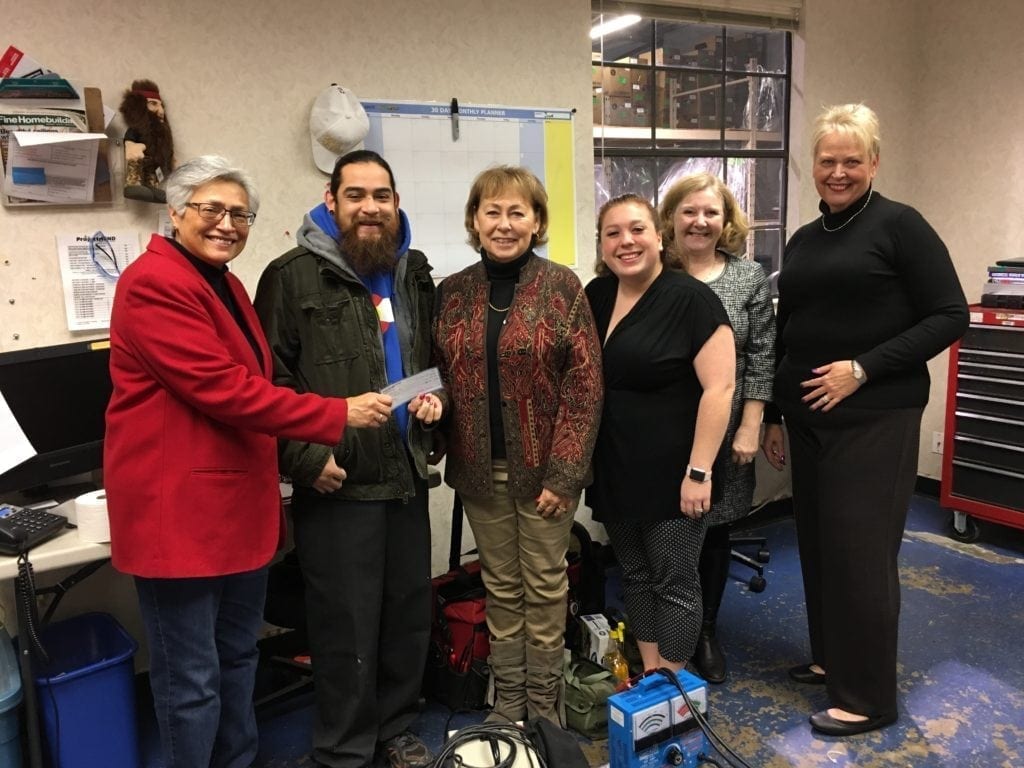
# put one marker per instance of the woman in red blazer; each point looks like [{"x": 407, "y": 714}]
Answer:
[{"x": 190, "y": 462}]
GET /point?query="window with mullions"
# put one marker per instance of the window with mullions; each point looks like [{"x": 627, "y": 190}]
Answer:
[{"x": 673, "y": 98}]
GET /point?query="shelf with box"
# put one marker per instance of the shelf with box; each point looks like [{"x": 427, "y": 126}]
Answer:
[
  {"x": 674, "y": 102},
  {"x": 983, "y": 456},
  {"x": 709, "y": 84},
  {"x": 621, "y": 96},
  {"x": 673, "y": 97},
  {"x": 53, "y": 148}
]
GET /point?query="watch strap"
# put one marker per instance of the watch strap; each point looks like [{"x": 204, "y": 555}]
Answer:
[
  {"x": 858, "y": 371},
  {"x": 697, "y": 474}
]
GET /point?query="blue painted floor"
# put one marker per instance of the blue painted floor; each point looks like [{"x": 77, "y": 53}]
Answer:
[{"x": 961, "y": 664}]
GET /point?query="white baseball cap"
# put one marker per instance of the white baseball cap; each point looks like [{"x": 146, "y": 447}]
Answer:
[{"x": 337, "y": 124}]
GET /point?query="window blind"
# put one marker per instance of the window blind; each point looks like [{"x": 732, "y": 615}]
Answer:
[{"x": 774, "y": 14}]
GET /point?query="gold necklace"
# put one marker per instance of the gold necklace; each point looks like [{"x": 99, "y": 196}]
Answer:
[
  {"x": 858, "y": 213},
  {"x": 500, "y": 309}
]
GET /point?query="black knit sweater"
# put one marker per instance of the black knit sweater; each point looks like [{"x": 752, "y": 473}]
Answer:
[{"x": 881, "y": 289}]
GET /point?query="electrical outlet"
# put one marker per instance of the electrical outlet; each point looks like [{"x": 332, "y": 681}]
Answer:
[{"x": 937, "y": 442}]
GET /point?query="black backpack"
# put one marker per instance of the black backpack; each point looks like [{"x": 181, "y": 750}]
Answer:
[{"x": 586, "y": 569}]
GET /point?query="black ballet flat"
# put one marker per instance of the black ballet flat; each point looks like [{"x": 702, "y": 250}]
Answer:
[
  {"x": 824, "y": 723},
  {"x": 804, "y": 674}
]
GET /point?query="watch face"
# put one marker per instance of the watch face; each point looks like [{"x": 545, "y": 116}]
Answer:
[{"x": 698, "y": 475}]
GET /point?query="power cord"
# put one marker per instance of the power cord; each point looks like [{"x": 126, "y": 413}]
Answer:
[
  {"x": 705, "y": 758},
  {"x": 28, "y": 610},
  {"x": 715, "y": 740},
  {"x": 495, "y": 735},
  {"x": 28, "y": 617}
]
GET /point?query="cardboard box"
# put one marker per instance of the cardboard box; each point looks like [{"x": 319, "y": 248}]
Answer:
[
  {"x": 710, "y": 122},
  {"x": 641, "y": 116},
  {"x": 616, "y": 81},
  {"x": 627, "y": 113},
  {"x": 594, "y": 636},
  {"x": 687, "y": 112}
]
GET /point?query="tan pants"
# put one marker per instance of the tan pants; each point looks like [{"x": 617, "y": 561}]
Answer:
[{"x": 522, "y": 559}]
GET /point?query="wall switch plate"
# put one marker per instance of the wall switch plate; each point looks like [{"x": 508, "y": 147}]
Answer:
[{"x": 937, "y": 442}]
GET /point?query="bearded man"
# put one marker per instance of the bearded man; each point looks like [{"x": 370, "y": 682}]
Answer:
[
  {"x": 148, "y": 142},
  {"x": 349, "y": 310}
]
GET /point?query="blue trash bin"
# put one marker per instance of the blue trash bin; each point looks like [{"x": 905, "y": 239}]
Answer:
[{"x": 86, "y": 693}]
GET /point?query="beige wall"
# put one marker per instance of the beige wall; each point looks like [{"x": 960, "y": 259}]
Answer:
[
  {"x": 969, "y": 153},
  {"x": 942, "y": 76}
]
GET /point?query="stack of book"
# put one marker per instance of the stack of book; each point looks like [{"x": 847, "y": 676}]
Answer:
[{"x": 1005, "y": 286}]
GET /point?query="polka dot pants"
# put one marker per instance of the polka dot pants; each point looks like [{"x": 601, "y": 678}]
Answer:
[{"x": 660, "y": 584}]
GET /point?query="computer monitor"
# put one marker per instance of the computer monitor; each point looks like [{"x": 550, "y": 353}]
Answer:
[{"x": 58, "y": 395}]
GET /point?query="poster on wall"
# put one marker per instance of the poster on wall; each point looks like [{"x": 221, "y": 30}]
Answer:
[
  {"x": 436, "y": 152},
  {"x": 90, "y": 265}
]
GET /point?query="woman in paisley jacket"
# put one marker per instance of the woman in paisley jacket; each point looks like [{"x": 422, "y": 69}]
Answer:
[{"x": 520, "y": 360}]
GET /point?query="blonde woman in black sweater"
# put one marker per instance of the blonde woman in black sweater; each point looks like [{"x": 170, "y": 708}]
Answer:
[{"x": 867, "y": 295}]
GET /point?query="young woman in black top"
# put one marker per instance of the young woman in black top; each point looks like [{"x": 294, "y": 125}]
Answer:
[{"x": 669, "y": 366}]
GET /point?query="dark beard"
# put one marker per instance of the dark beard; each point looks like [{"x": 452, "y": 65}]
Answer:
[
  {"x": 368, "y": 256},
  {"x": 157, "y": 137}
]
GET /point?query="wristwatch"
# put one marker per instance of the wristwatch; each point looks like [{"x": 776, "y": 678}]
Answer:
[
  {"x": 858, "y": 372},
  {"x": 697, "y": 474}
]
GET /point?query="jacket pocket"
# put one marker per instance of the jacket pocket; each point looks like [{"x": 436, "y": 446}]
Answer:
[
  {"x": 361, "y": 456},
  {"x": 327, "y": 316}
]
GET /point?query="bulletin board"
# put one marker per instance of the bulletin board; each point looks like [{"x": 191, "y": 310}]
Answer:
[{"x": 434, "y": 170}]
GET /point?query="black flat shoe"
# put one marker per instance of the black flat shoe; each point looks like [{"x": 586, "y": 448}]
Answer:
[
  {"x": 804, "y": 674},
  {"x": 823, "y": 722}
]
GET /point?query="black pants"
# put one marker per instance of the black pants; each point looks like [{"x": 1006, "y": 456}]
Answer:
[
  {"x": 366, "y": 566},
  {"x": 852, "y": 483}
]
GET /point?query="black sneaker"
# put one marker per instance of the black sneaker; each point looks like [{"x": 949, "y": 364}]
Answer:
[{"x": 406, "y": 750}]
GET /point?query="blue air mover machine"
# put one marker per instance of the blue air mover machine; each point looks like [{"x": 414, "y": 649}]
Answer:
[{"x": 650, "y": 725}]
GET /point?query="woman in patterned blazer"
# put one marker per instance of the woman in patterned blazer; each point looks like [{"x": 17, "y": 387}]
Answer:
[{"x": 703, "y": 229}]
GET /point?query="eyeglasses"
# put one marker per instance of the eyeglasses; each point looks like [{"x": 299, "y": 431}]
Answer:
[
  {"x": 103, "y": 257},
  {"x": 212, "y": 212}
]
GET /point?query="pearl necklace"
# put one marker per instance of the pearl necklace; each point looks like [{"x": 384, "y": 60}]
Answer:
[{"x": 858, "y": 213}]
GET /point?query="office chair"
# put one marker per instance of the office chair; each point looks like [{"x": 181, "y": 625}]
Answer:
[
  {"x": 756, "y": 562},
  {"x": 757, "y": 582}
]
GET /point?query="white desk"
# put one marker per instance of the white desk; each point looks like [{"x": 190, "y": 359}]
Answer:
[{"x": 62, "y": 551}]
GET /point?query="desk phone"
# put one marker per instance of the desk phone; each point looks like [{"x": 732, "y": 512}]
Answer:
[{"x": 21, "y": 528}]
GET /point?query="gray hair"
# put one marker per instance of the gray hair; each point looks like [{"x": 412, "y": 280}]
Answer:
[{"x": 191, "y": 175}]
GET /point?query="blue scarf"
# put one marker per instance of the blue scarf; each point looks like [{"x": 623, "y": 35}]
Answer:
[{"x": 381, "y": 286}]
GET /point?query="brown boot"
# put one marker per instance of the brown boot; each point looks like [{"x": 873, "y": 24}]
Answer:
[
  {"x": 508, "y": 672},
  {"x": 545, "y": 683}
]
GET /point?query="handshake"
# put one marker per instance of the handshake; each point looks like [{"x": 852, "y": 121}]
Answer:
[{"x": 373, "y": 409}]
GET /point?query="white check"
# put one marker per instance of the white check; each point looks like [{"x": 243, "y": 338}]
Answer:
[{"x": 405, "y": 390}]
